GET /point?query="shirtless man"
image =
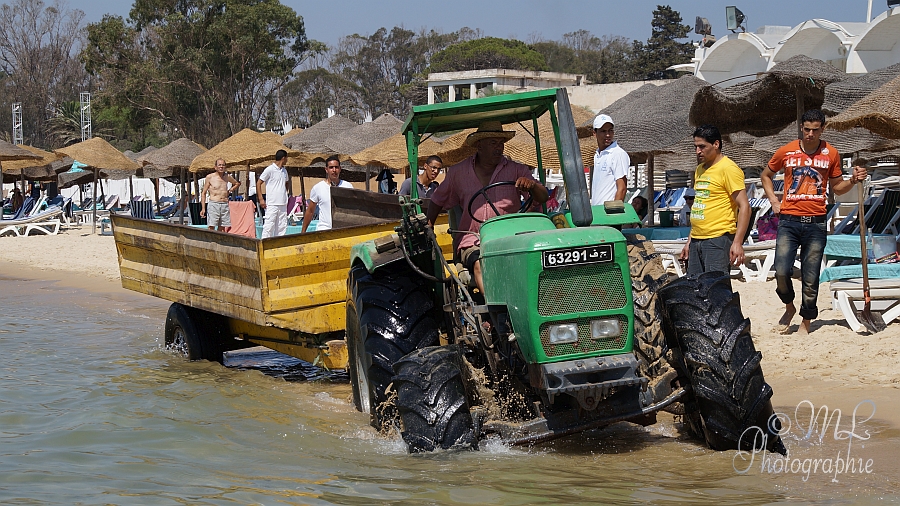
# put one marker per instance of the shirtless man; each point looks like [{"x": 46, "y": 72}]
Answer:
[{"x": 217, "y": 186}]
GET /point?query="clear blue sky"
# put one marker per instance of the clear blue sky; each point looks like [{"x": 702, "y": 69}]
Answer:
[{"x": 329, "y": 20}]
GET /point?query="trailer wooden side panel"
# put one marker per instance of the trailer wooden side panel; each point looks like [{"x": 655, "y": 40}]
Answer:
[{"x": 294, "y": 282}]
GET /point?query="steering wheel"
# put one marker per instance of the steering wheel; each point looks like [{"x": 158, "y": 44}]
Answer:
[{"x": 483, "y": 192}]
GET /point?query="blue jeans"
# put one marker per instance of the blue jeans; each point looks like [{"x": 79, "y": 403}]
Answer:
[
  {"x": 708, "y": 255},
  {"x": 810, "y": 239}
]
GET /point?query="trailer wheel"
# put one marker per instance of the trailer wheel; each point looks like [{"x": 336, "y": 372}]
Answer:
[
  {"x": 729, "y": 394},
  {"x": 182, "y": 335},
  {"x": 650, "y": 347},
  {"x": 390, "y": 313},
  {"x": 431, "y": 399}
]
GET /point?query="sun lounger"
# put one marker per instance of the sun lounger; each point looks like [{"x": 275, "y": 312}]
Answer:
[
  {"x": 46, "y": 222},
  {"x": 22, "y": 212},
  {"x": 762, "y": 256},
  {"x": 142, "y": 209},
  {"x": 847, "y": 294}
]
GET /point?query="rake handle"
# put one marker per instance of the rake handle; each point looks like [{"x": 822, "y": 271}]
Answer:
[{"x": 862, "y": 244}]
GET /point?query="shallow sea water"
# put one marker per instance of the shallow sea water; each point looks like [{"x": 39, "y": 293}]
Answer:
[{"x": 94, "y": 411}]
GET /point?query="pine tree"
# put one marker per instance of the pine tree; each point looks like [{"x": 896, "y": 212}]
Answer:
[{"x": 662, "y": 49}]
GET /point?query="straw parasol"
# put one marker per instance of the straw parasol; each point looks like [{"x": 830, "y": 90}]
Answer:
[
  {"x": 391, "y": 153},
  {"x": 368, "y": 134},
  {"x": 99, "y": 155},
  {"x": 768, "y": 104},
  {"x": 241, "y": 149},
  {"x": 841, "y": 95},
  {"x": 854, "y": 140},
  {"x": 878, "y": 112},
  {"x": 312, "y": 140},
  {"x": 655, "y": 117},
  {"x": 169, "y": 160},
  {"x": 40, "y": 168}
]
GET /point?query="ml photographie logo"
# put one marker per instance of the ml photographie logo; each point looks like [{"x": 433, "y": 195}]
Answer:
[{"x": 809, "y": 427}]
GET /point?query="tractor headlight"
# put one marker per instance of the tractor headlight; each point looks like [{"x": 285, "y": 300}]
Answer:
[
  {"x": 564, "y": 333},
  {"x": 605, "y": 328}
]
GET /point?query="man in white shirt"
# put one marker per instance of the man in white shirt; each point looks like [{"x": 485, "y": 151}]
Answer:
[
  {"x": 320, "y": 195},
  {"x": 610, "y": 164},
  {"x": 276, "y": 198}
]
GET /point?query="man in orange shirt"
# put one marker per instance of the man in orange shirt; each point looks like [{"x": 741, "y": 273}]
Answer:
[{"x": 809, "y": 164}]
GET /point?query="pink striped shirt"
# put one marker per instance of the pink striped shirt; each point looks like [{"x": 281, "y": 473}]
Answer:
[{"x": 460, "y": 183}]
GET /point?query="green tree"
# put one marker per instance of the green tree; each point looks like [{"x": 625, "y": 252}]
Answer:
[
  {"x": 662, "y": 49},
  {"x": 488, "y": 53},
  {"x": 207, "y": 67}
]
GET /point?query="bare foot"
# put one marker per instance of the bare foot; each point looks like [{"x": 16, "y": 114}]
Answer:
[
  {"x": 784, "y": 324},
  {"x": 804, "y": 327}
]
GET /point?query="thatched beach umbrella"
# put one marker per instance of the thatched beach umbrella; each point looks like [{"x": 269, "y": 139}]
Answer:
[
  {"x": 854, "y": 140},
  {"x": 363, "y": 136},
  {"x": 171, "y": 160},
  {"x": 10, "y": 152},
  {"x": 878, "y": 112},
  {"x": 768, "y": 104},
  {"x": 391, "y": 153},
  {"x": 99, "y": 155},
  {"x": 312, "y": 140},
  {"x": 241, "y": 149},
  {"x": 36, "y": 169},
  {"x": 841, "y": 95}
]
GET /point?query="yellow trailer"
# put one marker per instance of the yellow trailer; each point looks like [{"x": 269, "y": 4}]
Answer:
[{"x": 228, "y": 292}]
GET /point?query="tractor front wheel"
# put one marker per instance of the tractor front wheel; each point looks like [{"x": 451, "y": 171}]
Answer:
[{"x": 431, "y": 399}]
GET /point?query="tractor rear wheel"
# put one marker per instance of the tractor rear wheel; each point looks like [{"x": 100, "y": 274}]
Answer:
[
  {"x": 390, "y": 313},
  {"x": 720, "y": 362},
  {"x": 650, "y": 348},
  {"x": 431, "y": 399}
]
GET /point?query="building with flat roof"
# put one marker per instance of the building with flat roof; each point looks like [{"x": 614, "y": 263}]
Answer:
[{"x": 453, "y": 86}]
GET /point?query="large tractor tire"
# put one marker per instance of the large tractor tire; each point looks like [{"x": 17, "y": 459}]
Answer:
[
  {"x": 390, "y": 313},
  {"x": 431, "y": 399},
  {"x": 650, "y": 348},
  {"x": 717, "y": 356},
  {"x": 197, "y": 334}
]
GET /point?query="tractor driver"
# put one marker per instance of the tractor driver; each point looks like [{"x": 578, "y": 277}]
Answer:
[{"x": 465, "y": 179}]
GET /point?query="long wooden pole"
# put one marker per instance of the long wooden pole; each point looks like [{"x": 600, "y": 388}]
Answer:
[
  {"x": 183, "y": 198},
  {"x": 94, "y": 204}
]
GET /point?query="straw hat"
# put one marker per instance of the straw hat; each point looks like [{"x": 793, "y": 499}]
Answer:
[{"x": 489, "y": 129}]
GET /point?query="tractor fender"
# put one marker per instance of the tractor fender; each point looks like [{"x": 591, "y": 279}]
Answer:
[{"x": 377, "y": 252}]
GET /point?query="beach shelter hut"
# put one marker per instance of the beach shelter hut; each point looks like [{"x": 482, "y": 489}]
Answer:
[
  {"x": 768, "y": 104},
  {"x": 878, "y": 112},
  {"x": 99, "y": 155}
]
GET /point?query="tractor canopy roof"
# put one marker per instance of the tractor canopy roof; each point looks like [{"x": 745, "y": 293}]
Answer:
[{"x": 464, "y": 114}]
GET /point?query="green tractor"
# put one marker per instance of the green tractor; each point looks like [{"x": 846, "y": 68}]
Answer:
[{"x": 577, "y": 328}]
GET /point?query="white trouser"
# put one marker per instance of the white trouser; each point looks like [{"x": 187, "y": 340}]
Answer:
[{"x": 275, "y": 222}]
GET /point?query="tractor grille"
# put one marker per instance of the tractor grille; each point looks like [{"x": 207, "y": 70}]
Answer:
[
  {"x": 585, "y": 344},
  {"x": 582, "y": 288}
]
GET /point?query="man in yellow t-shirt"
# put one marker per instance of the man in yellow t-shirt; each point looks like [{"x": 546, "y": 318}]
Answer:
[{"x": 721, "y": 211}]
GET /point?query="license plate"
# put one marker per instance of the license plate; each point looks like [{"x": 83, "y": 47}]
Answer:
[{"x": 577, "y": 256}]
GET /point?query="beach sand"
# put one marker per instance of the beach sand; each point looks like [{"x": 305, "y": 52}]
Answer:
[{"x": 829, "y": 364}]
